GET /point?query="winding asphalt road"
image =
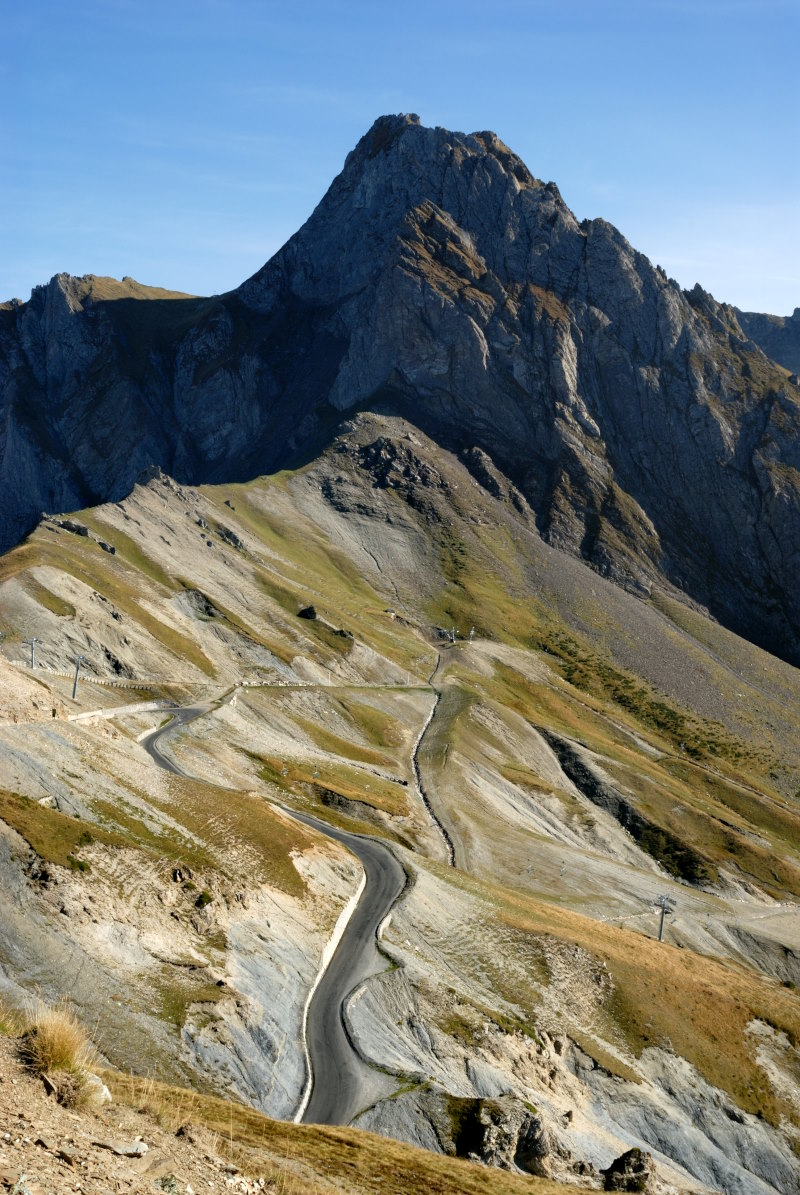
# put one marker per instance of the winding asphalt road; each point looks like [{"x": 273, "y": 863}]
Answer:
[
  {"x": 337, "y": 1070},
  {"x": 180, "y": 717}
]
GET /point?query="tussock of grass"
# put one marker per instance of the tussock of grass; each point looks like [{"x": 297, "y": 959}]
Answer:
[
  {"x": 55, "y": 1040},
  {"x": 55, "y": 1043}
]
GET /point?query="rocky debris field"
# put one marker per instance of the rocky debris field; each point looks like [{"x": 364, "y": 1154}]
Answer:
[{"x": 47, "y": 1149}]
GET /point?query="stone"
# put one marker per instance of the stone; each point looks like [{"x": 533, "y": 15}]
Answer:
[
  {"x": 123, "y": 1149},
  {"x": 75, "y": 528},
  {"x": 230, "y": 537},
  {"x": 631, "y": 1171},
  {"x": 154, "y": 1165},
  {"x": 307, "y": 612},
  {"x": 96, "y": 1091},
  {"x": 502, "y": 1132}
]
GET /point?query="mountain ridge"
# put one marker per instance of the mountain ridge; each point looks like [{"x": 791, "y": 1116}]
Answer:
[{"x": 438, "y": 278}]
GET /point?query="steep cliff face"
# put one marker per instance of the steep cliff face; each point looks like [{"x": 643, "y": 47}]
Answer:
[
  {"x": 438, "y": 278},
  {"x": 777, "y": 335}
]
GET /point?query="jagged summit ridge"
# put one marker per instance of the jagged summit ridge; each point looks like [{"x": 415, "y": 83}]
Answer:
[
  {"x": 395, "y": 167},
  {"x": 438, "y": 277}
]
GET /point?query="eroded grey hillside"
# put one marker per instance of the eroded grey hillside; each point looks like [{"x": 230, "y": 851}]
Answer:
[{"x": 438, "y": 279}]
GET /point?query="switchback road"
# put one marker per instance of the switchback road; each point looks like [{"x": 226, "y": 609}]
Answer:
[{"x": 333, "y": 1093}]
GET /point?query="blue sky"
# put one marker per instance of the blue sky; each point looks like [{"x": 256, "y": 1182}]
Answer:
[{"x": 183, "y": 142}]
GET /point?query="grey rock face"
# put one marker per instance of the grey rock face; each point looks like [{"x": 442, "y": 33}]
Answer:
[
  {"x": 439, "y": 278},
  {"x": 633, "y": 1171},
  {"x": 778, "y": 336},
  {"x": 502, "y": 1131}
]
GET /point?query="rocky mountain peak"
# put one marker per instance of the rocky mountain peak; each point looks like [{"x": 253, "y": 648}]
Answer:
[
  {"x": 395, "y": 168},
  {"x": 440, "y": 278}
]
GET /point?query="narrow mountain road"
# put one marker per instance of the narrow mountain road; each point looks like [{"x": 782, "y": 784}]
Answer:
[
  {"x": 180, "y": 717},
  {"x": 424, "y": 797},
  {"x": 337, "y": 1075}
]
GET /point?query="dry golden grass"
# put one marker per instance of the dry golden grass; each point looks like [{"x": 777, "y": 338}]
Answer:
[
  {"x": 101, "y": 288},
  {"x": 380, "y": 728},
  {"x": 53, "y": 1042},
  {"x": 235, "y": 824},
  {"x": 119, "y": 581},
  {"x": 665, "y": 996},
  {"x": 11, "y": 1020},
  {"x": 55, "y": 837},
  {"x": 333, "y": 744},
  {"x": 352, "y": 783},
  {"x": 727, "y": 816},
  {"x": 45, "y": 597},
  {"x": 312, "y": 1159}
]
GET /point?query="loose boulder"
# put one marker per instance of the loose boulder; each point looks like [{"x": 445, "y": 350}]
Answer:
[{"x": 631, "y": 1171}]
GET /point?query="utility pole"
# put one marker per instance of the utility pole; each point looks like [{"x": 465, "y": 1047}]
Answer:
[
  {"x": 78, "y": 661},
  {"x": 33, "y": 641},
  {"x": 667, "y": 905}
]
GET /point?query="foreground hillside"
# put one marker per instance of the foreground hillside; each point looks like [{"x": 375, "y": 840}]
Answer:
[
  {"x": 571, "y": 755},
  {"x": 205, "y": 1145}
]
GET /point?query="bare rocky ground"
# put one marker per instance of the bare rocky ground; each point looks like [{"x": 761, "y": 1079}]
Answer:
[
  {"x": 150, "y": 1139},
  {"x": 525, "y": 975},
  {"x": 46, "y": 1149}
]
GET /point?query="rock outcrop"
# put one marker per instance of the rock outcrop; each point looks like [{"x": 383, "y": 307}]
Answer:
[
  {"x": 642, "y": 426},
  {"x": 777, "y": 335},
  {"x": 632, "y": 1171}
]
